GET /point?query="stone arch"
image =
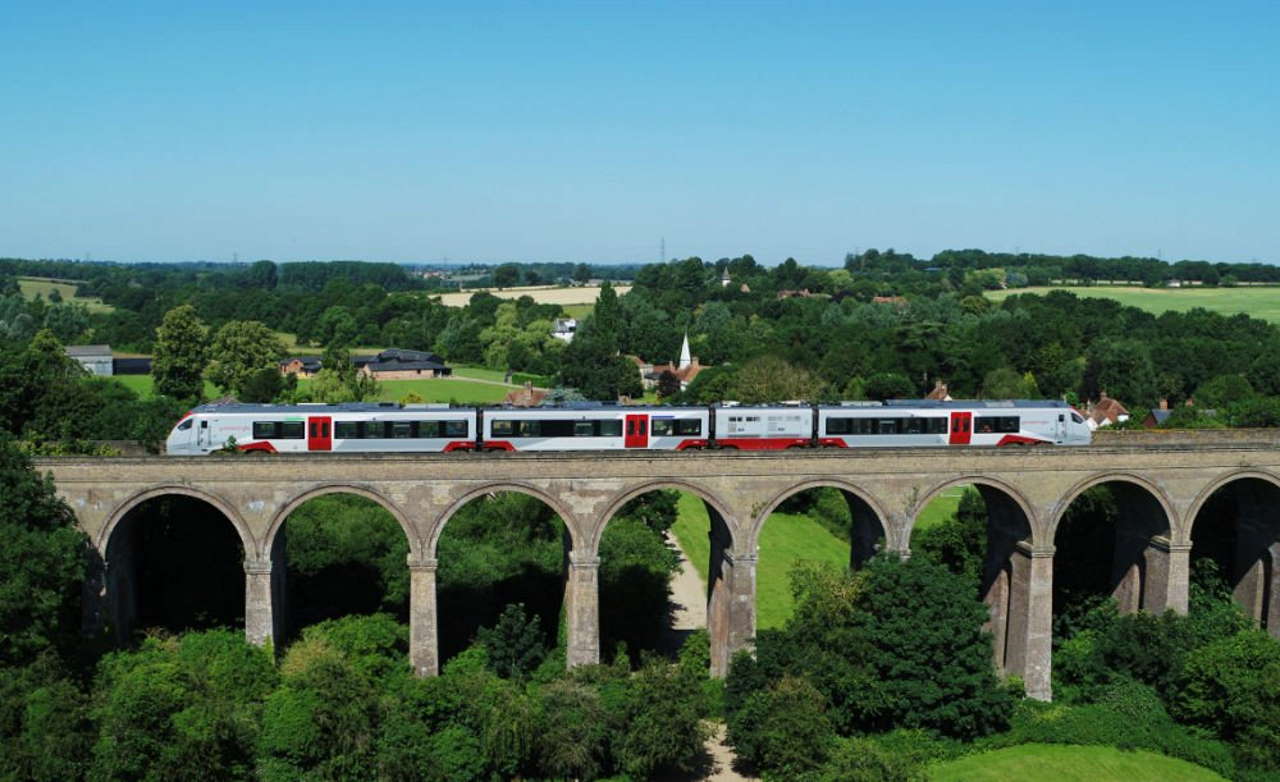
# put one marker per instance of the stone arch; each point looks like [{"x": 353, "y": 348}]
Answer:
[
  {"x": 277, "y": 522},
  {"x": 1241, "y": 533},
  {"x": 861, "y": 495},
  {"x": 247, "y": 539},
  {"x": 1144, "y": 571},
  {"x": 1055, "y": 518},
  {"x": 1008, "y": 489},
  {"x": 437, "y": 525},
  {"x": 1221, "y": 482},
  {"x": 701, "y": 493}
]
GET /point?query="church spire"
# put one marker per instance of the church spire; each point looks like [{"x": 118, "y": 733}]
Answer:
[{"x": 685, "y": 358}]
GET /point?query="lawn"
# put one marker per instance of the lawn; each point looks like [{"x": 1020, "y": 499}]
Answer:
[
  {"x": 31, "y": 286},
  {"x": 786, "y": 539},
  {"x": 1260, "y": 302},
  {"x": 480, "y": 373},
  {"x": 1067, "y": 763},
  {"x": 578, "y": 311},
  {"x": 291, "y": 346},
  {"x": 443, "y": 390},
  {"x": 940, "y": 509}
]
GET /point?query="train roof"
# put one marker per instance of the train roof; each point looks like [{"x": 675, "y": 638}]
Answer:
[{"x": 392, "y": 407}]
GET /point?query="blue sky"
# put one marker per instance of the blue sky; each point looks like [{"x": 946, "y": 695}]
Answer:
[{"x": 589, "y": 131}]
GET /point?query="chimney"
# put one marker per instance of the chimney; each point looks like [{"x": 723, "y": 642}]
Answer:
[{"x": 1164, "y": 403}]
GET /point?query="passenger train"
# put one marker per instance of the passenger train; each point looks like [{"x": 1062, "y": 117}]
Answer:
[{"x": 393, "y": 428}]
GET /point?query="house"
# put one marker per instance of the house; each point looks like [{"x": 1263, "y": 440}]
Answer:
[
  {"x": 96, "y": 359},
  {"x": 400, "y": 364},
  {"x": 939, "y": 392},
  {"x": 1105, "y": 412},
  {"x": 563, "y": 329},
  {"x": 803, "y": 293},
  {"x": 685, "y": 371},
  {"x": 1158, "y": 415},
  {"x": 897, "y": 301},
  {"x": 302, "y": 366},
  {"x": 525, "y": 397}
]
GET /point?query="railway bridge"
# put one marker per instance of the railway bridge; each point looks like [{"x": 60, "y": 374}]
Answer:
[{"x": 1163, "y": 484}]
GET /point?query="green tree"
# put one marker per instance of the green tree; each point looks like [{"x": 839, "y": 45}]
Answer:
[
  {"x": 783, "y": 729},
  {"x": 241, "y": 348},
  {"x": 668, "y": 384},
  {"x": 1223, "y": 390},
  {"x": 337, "y": 328},
  {"x": 1006, "y": 383},
  {"x": 506, "y": 275},
  {"x": 889, "y": 385},
  {"x": 1232, "y": 687},
  {"x": 581, "y": 273},
  {"x": 1123, "y": 369},
  {"x": 41, "y": 559},
  {"x": 772, "y": 379},
  {"x": 265, "y": 385},
  {"x": 514, "y": 644},
  {"x": 181, "y": 352}
]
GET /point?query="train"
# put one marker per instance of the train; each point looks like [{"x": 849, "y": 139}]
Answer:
[{"x": 389, "y": 427}]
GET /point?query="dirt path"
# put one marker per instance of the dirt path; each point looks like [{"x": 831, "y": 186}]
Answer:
[{"x": 689, "y": 613}]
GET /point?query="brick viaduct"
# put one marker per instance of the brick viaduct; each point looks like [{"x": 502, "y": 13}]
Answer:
[{"x": 1161, "y": 483}]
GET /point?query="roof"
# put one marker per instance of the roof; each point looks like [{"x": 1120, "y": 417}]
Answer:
[
  {"x": 1107, "y": 409},
  {"x": 88, "y": 350},
  {"x": 1160, "y": 415},
  {"x": 525, "y": 397}
]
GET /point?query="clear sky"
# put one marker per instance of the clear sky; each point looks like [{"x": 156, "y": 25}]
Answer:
[{"x": 486, "y": 131}]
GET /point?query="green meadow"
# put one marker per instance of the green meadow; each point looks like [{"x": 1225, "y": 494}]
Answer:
[
  {"x": 787, "y": 538},
  {"x": 41, "y": 286},
  {"x": 441, "y": 390},
  {"x": 1069, "y": 763},
  {"x": 1259, "y": 302}
]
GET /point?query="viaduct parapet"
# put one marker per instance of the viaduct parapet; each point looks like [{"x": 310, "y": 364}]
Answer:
[{"x": 1161, "y": 483}]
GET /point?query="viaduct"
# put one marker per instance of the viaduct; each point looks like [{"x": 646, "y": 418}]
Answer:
[{"x": 1162, "y": 482}]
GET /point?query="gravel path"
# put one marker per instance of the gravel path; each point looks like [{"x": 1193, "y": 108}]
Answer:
[{"x": 689, "y": 613}]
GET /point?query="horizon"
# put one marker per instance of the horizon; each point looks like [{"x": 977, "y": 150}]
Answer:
[{"x": 602, "y": 133}]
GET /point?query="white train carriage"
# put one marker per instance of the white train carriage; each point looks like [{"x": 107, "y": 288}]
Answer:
[
  {"x": 345, "y": 428},
  {"x": 920, "y": 424},
  {"x": 594, "y": 428}
]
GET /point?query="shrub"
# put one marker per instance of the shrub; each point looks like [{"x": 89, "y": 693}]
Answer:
[
  {"x": 1232, "y": 687},
  {"x": 783, "y": 730},
  {"x": 658, "y": 725}
]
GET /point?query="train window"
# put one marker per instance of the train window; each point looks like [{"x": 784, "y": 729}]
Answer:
[
  {"x": 401, "y": 430},
  {"x": 375, "y": 430},
  {"x": 185, "y": 425},
  {"x": 502, "y": 428},
  {"x": 292, "y": 430},
  {"x": 1077, "y": 419},
  {"x": 688, "y": 426},
  {"x": 265, "y": 430},
  {"x": 584, "y": 429},
  {"x": 663, "y": 427},
  {"x": 528, "y": 429},
  {"x": 997, "y": 423},
  {"x": 611, "y": 428},
  {"x": 346, "y": 430},
  {"x": 426, "y": 428},
  {"x": 455, "y": 429}
]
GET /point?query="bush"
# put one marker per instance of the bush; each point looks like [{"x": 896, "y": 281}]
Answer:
[
  {"x": 658, "y": 726},
  {"x": 783, "y": 730},
  {"x": 1232, "y": 687}
]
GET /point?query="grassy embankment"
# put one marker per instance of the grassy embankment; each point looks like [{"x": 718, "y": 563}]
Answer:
[
  {"x": 1067, "y": 763},
  {"x": 1259, "y": 302},
  {"x": 33, "y": 286},
  {"x": 442, "y": 390},
  {"x": 786, "y": 539}
]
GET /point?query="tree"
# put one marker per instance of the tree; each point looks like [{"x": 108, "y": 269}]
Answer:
[
  {"x": 668, "y": 384},
  {"x": 1122, "y": 368},
  {"x": 1005, "y": 383},
  {"x": 337, "y": 328},
  {"x": 514, "y": 644},
  {"x": 41, "y": 562},
  {"x": 181, "y": 351},
  {"x": 264, "y": 385},
  {"x": 1223, "y": 390},
  {"x": 581, "y": 273},
  {"x": 506, "y": 275},
  {"x": 888, "y": 385},
  {"x": 771, "y": 379},
  {"x": 1232, "y": 687},
  {"x": 241, "y": 348}
]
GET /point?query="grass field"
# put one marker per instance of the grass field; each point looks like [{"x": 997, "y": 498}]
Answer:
[
  {"x": 578, "y": 311},
  {"x": 31, "y": 286},
  {"x": 291, "y": 345},
  {"x": 1066, "y": 763},
  {"x": 540, "y": 294},
  {"x": 442, "y": 390},
  {"x": 1261, "y": 303},
  {"x": 143, "y": 385},
  {"x": 786, "y": 539},
  {"x": 479, "y": 373},
  {"x": 940, "y": 509}
]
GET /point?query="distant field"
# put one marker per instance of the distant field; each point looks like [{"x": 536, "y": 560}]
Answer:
[
  {"x": 291, "y": 345},
  {"x": 540, "y": 294},
  {"x": 1068, "y": 763},
  {"x": 1259, "y": 302},
  {"x": 578, "y": 311},
  {"x": 31, "y": 286},
  {"x": 786, "y": 539}
]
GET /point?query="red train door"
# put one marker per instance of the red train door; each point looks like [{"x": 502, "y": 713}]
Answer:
[
  {"x": 961, "y": 428},
  {"x": 637, "y": 432},
  {"x": 320, "y": 434}
]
